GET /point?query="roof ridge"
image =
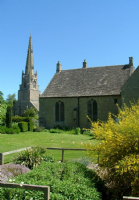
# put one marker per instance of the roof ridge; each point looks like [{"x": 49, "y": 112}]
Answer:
[{"x": 94, "y": 67}]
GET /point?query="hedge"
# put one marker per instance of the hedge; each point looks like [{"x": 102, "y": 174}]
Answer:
[{"x": 23, "y": 126}]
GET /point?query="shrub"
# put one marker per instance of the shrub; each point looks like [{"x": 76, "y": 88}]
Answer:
[
  {"x": 12, "y": 170},
  {"x": 17, "y": 118},
  {"x": 16, "y": 128},
  {"x": 47, "y": 130},
  {"x": 30, "y": 123},
  {"x": 23, "y": 126},
  {"x": 29, "y": 120},
  {"x": 3, "y": 129},
  {"x": 78, "y": 131},
  {"x": 66, "y": 180},
  {"x": 90, "y": 133},
  {"x": 13, "y": 130},
  {"x": 119, "y": 150},
  {"x": 40, "y": 129},
  {"x": 3, "y": 121},
  {"x": 83, "y": 160},
  {"x": 10, "y": 131},
  {"x": 31, "y": 157},
  {"x": 9, "y": 116},
  {"x": 31, "y": 112},
  {"x": 57, "y": 130}
]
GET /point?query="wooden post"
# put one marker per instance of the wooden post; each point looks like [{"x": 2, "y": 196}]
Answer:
[
  {"x": 62, "y": 155},
  {"x": 1, "y": 158},
  {"x": 98, "y": 158},
  {"x": 47, "y": 193}
]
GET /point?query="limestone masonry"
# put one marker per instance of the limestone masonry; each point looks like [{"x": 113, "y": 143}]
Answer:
[
  {"x": 28, "y": 94},
  {"x": 74, "y": 94}
]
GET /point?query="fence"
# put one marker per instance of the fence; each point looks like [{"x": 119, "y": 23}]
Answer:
[
  {"x": 52, "y": 148},
  {"x": 64, "y": 149},
  {"x": 131, "y": 198},
  {"x": 6, "y": 153},
  {"x": 45, "y": 189}
]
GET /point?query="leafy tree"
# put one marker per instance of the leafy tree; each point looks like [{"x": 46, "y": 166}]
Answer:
[
  {"x": 119, "y": 149},
  {"x": 9, "y": 116},
  {"x": 3, "y": 107},
  {"x": 30, "y": 112},
  {"x": 11, "y": 99}
]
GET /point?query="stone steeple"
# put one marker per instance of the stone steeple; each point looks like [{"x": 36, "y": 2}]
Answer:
[
  {"x": 29, "y": 63},
  {"x": 28, "y": 93}
]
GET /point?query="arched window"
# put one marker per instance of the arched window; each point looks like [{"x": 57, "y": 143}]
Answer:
[
  {"x": 92, "y": 109},
  {"x": 59, "y": 111}
]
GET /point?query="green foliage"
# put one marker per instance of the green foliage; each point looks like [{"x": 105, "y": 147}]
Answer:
[
  {"x": 78, "y": 131},
  {"x": 89, "y": 133},
  {"x": 29, "y": 120},
  {"x": 119, "y": 150},
  {"x": 3, "y": 107},
  {"x": 11, "y": 100},
  {"x": 14, "y": 130},
  {"x": 30, "y": 123},
  {"x": 56, "y": 130},
  {"x": 17, "y": 118},
  {"x": 30, "y": 112},
  {"x": 32, "y": 157},
  {"x": 66, "y": 180},
  {"x": 9, "y": 116},
  {"x": 40, "y": 129},
  {"x": 23, "y": 126}
]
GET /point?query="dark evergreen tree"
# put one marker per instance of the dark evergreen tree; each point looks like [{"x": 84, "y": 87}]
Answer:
[{"x": 9, "y": 116}]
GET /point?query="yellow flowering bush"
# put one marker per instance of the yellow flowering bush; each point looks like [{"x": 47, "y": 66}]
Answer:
[{"x": 119, "y": 148}]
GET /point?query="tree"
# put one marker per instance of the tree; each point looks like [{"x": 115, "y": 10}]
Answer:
[
  {"x": 119, "y": 149},
  {"x": 11, "y": 99},
  {"x": 30, "y": 112},
  {"x": 3, "y": 107},
  {"x": 9, "y": 116}
]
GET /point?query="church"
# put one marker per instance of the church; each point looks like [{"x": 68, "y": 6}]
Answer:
[{"x": 74, "y": 94}]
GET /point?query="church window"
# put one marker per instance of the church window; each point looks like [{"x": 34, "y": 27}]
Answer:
[
  {"x": 34, "y": 84},
  {"x": 25, "y": 84},
  {"x": 92, "y": 109},
  {"x": 59, "y": 111},
  {"x": 115, "y": 101}
]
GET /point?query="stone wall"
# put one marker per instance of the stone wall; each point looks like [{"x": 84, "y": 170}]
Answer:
[
  {"x": 130, "y": 90},
  {"x": 76, "y": 110}
]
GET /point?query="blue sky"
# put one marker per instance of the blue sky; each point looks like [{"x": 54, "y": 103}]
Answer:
[{"x": 104, "y": 32}]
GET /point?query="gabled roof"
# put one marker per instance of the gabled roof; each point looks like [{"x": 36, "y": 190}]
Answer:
[{"x": 94, "y": 81}]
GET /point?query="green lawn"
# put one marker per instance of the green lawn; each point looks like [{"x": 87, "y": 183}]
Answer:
[{"x": 45, "y": 139}]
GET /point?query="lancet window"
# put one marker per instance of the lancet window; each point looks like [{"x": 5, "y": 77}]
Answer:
[
  {"x": 59, "y": 111},
  {"x": 92, "y": 109}
]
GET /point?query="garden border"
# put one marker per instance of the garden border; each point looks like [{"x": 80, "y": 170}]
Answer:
[
  {"x": 52, "y": 148},
  {"x": 45, "y": 189}
]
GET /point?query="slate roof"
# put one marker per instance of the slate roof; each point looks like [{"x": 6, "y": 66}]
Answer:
[{"x": 94, "y": 81}]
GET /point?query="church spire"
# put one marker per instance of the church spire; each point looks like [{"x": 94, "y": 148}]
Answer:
[{"x": 29, "y": 70}]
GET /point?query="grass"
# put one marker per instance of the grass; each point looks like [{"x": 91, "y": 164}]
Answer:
[{"x": 45, "y": 139}]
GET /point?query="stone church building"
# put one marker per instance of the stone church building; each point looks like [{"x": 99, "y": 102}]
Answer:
[
  {"x": 28, "y": 93},
  {"x": 73, "y": 94}
]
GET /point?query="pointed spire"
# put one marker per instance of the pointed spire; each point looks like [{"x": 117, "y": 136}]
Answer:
[{"x": 29, "y": 63}]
